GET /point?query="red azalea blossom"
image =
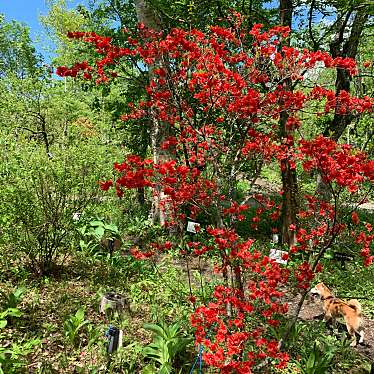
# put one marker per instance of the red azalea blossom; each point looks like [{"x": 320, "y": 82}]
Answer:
[
  {"x": 105, "y": 185},
  {"x": 355, "y": 218}
]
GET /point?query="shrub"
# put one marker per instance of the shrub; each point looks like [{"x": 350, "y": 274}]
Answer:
[{"x": 41, "y": 195}]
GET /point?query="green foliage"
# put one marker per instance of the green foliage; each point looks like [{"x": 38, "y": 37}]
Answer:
[
  {"x": 44, "y": 204},
  {"x": 163, "y": 290},
  {"x": 17, "y": 55},
  {"x": 167, "y": 345},
  {"x": 294, "y": 334},
  {"x": 319, "y": 359},
  {"x": 140, "y": 231},
  {"x": 127, "y": 360},
  {"x": 58, "y": 22},
  {"x": 12, "y": 299},
  {"x": 51, "y": 189},
  {"x": 101, "y": 229},
  {"x": 13, "y": 358},
  {"x": 9, "y": 312},
  {"x": 73, "y": 326},
  {"x": 93, "y": 231},
  {"x": 93, "y": 335}
]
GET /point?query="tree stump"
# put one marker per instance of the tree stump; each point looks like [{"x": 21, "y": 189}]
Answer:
[{"x": 111, "y": 245}]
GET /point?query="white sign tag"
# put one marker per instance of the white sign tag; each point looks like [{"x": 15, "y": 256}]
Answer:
[
  {"x": 191, "y": 226},
  {"x": 277, "y": 255},
  {"x": 76, "y": 216}
]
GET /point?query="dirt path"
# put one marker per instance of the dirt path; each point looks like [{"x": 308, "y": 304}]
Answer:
[{"x": 312, "y": 309}]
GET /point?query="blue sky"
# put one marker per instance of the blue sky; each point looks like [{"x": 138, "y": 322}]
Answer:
[{"x": 28, "y": 12}]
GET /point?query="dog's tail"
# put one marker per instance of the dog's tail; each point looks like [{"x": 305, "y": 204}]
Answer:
[{"x": 355, "y": 305}]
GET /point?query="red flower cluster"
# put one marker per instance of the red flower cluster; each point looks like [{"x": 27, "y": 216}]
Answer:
[
  {"x": 343, "y": 103},
  {"x": 338, "y": 164},
  {"x": 105, "y": 185},
  {"x": 304, "y": 275},
  {"x": 232, "y": 322},
  {"x": 181, "y": 186},
  {"x": 365, "y": 239}
]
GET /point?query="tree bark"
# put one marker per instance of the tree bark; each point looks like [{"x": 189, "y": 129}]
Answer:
[
  {"x": 146, "y": 15},
  {"x": 285, "y": 13},
  {"x": 341, "y": 48},
  {"x": 289, "y": 177},
  {"x": 290, "y": 190},
  {"x": 159, "y": 131}
]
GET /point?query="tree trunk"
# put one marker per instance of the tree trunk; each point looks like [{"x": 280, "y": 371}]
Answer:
[
  {"x": 159, "y": 131},
  {"x": 342, "y": 47},
  {"x": 290, "y": 191},
  {"x": 285, "y": 13},
  {"x": 146, "y": 15},
  {"x": 289, "y": 177},
  {"x": 44, "y": 135}
]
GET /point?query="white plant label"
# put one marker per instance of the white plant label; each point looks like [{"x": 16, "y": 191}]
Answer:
[
  {"x": 275, "y": 238},
  {"x": 76, "y": 216},
  {"x": 277, "y": 255},
  {"x": 191, "y": 226}
]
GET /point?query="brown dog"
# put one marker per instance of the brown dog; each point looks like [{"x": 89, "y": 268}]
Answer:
[{"x": 333, "y": 308}]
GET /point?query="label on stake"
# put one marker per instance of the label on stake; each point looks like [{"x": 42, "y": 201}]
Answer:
[
  {"x": 191, "y": 226},
  {"x": 277, "y": 255}
]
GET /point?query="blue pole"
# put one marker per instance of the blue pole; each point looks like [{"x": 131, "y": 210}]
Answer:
[{"x": 199, "y": 358}]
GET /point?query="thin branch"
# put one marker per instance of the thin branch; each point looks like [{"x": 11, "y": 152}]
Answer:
[{"x": 315, "y": 45}]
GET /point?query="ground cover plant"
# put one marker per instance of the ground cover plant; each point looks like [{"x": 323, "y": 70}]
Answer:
[{"x": 180, "y": 225}]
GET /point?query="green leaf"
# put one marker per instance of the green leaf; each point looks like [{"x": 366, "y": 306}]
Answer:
[
  {"x": 96, "y": 223},
  {"x": 173, "y": 330},
  {"x": 311, "y": 360},
  {"x": 165, "y": 369},
  {"x": 81, "y": 325},
  {"x": 82, "y": 230},
  {"x": 149, "y": 369},
  {"x": 99, "y": 231},
  {"x": 19, "y": 292},
  {"x": 80, "y": 314},
  {"x": 111, "y": 227},
  {"x": 156, "y": 329},
  {"x": 13, "y": 312}
]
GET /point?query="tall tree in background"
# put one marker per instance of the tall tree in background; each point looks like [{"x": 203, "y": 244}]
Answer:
[
  {"x": 348, "y": 21},
  {"x": 341, "y": 35},
  {"x": 22, "y": 79},
  {"x": 18, "y": 56},
  {"x": 286, "y": 135}
]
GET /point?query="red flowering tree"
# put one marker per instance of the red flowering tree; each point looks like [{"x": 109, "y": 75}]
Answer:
[{"x": 219, "y": 96}]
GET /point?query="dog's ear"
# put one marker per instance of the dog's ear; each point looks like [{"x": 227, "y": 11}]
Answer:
[{"x": 326, "y": 288}]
